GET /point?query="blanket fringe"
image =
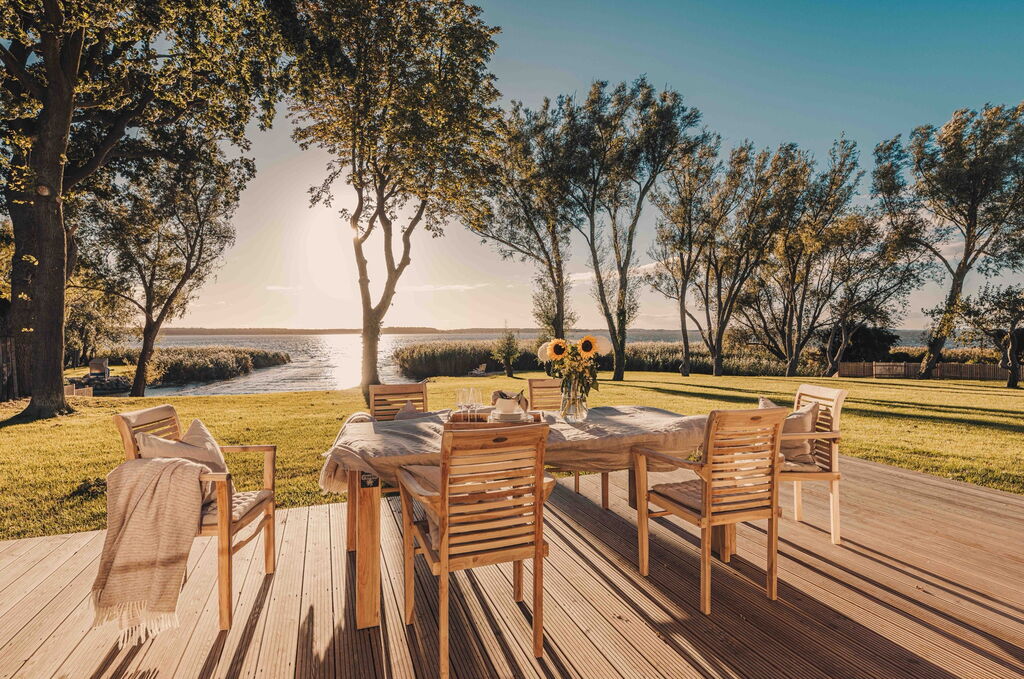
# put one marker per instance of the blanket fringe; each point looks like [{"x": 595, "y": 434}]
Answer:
[{"x": 136, "y": 622}]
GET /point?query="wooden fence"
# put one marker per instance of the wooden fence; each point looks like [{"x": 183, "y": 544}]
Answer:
[{"x": 953, "y": 371}]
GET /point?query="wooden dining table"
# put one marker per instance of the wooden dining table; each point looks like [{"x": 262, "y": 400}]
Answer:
[{"x": 367, "y": 453}]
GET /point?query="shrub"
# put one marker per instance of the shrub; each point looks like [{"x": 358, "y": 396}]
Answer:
[
  {"x": 182, "y": 365},
  {"x": 961, "y": 355},
  {"x": 453, "y": 358}
]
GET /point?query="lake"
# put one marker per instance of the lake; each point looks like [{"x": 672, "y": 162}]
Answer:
[{"x": 326, "y": 362}]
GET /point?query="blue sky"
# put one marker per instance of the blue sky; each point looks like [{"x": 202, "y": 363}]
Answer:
[{"x": 770, "y": 72}]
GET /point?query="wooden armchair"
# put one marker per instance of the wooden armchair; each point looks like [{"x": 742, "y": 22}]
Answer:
[
  {"x": 387, "y": 399},
  {"x": 231, "y": 511},
  {"x": 738, "y": 481},
  {"x": 824, "y": 448},
  {"x": 546, "y": 394},
  {"x": 484, "y": 505}
]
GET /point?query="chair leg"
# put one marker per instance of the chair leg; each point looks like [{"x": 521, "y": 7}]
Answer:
[
  {"x": 642, "y": 511},
  {"x": 798, "y": 502},
  {"x": 224, "y": 578},
  {"x": 538, "y": 605},
  {"x": 833, "y": 501},
  {"x": 772, "y": 574},
  {"x": 442, "y": 624},
  {"x": 604, "y": 490},
  {"x": 517, "y": 580},
  {"x": 576, "y": 482},
  {"x": 705, "y": 570},
  {"x": 269, "y": 546},
  {"x": 408, "y": 557}
]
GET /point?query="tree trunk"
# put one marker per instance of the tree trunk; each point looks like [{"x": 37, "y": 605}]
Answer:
[
  {"x": 684, "y": 367},
  {"x": 149, "y": 332},
  {"x": 945, "y": 325},
  {"x": 23, "y": 269},
  {"x": 836, "y": 357},
  {"x": 508, "y": 369},
  {"x": 1012, "y": 361},
  {"x": 791, "y": 366},
  {"x": 371, "y": 340},
  {"x": 716, "y": 362}
]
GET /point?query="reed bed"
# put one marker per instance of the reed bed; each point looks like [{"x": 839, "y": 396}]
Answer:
[{"x": 184, "y": 365}]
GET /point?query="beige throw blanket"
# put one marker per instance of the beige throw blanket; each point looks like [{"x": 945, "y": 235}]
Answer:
[{"x": 153, "y": 510}]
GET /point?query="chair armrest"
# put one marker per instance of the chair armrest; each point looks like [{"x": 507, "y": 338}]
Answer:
[
  {"x": 269, "y": 460},
  {"x": 410, "y": 484},
  {"x": 697, "y": 467},
  {"x": 215, "y": 477},
  {"x": 811, "y": 436}
]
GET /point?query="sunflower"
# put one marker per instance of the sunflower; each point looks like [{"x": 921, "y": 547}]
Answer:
[
  {"x": 557, "y": 349},
  {"x": 588, "y": 346}
]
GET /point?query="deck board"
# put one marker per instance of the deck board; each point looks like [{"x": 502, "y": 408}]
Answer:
[{"x": 928, "y": 584}]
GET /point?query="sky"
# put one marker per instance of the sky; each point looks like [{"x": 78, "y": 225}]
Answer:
[{"x": 770, "y": 72}]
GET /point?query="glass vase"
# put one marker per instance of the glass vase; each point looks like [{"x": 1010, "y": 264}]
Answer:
[{"x": 574, "y": 403}]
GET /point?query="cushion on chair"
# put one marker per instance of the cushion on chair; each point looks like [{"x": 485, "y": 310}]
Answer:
[
  {"x": 197, "y": 444},
  {"x": 241, "y": 503},
  {"x": 801, "y": 467},
  {"x": 801, "y": 421},
  {"x": 408, "y": 412},
  {"x": 689, "y": 494}
]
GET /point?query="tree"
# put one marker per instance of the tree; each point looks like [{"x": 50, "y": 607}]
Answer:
[
  {"x": 552, "y": 319},
  {"x": 77, "y": 79},
  {"x": 93, "y": 320},
  {"x": 958, "y": 193},
  {"x": 398, "y": 92},
  {"x": 748, "y": 196},
  {"x": 619, "y": 144},
  {"x": 879, "y": 270},
  {"x": 506, "y": 351},
  {"x": 525, "y": 209},
  {"x": 687, "y": 209},
  {"x": 789, "y": 296},
  {"x": 996, "y": 313},
  {"x": 155, "y": 238}
]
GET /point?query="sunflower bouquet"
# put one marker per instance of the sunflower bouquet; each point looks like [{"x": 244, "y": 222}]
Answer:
[{"x": 576, "y": 364}]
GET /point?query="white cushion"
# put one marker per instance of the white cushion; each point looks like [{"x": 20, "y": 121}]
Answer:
[
  {"x": 802, "y": 421},
  {"x": 197, "y": 444}
]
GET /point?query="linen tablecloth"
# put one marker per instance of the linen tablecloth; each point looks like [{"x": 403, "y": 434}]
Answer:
[{"x": 601, "y": 443}]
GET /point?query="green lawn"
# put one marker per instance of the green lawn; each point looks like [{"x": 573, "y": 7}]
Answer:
[{"x": 971, "y": 431}]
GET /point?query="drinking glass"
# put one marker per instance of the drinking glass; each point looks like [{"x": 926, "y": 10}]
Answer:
[
  {"x": 460, "y": 400},
  {"x": 474, "y": 402}
]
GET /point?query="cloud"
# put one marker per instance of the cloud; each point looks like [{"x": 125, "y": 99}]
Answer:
[
  {"x": 451, "y": 287},
  {"x": 283, "y": 288}
]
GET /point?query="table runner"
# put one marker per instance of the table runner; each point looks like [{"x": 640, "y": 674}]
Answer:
[{"x": 601, "y": 443}]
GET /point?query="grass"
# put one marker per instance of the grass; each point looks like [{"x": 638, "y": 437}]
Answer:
[{"x": 52, "y": 470}]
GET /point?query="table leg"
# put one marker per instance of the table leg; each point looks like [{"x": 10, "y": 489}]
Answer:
[
  {"x": 352, "y": 511},
  {"x": 368, "y": 553},
  {"x": 604, "y": 490},
  {"x": 723, "y": 541}
]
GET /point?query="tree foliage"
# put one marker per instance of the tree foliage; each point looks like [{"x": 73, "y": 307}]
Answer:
[
  {"x": 996, "y": 314},
  {"x": 957, "y": 192},
  {"x": 788, "y": 298},
  {"x": 400, "y": 95},
  {"x": 620, "y": 142},
  {"x": 525, "y": 209},
  {"x": 154, "y": 238},
  {"x": 79, "y": 80}
]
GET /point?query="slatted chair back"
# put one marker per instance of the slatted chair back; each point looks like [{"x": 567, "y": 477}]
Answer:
[
  {"x": 160, "y": 421},
  {"x": 545, "y": 393},
  {"x": 492, "y": 497},
  {"x": 830, "y": 407},
  {"x": 741, "y": 454},
  {"x": 387, "y": 399}
]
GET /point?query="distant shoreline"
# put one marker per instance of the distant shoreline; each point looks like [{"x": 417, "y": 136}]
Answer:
[{"x": 395, "y": 330}]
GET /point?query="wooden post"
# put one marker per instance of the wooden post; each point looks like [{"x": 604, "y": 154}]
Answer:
[
  {"x": 352, "y": 511},
  {"x": 604, "y": 490},
  {"x": 368, "y": 551}
]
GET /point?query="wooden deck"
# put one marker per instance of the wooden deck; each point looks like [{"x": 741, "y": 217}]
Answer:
[{"x": 929, "y": 583}]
